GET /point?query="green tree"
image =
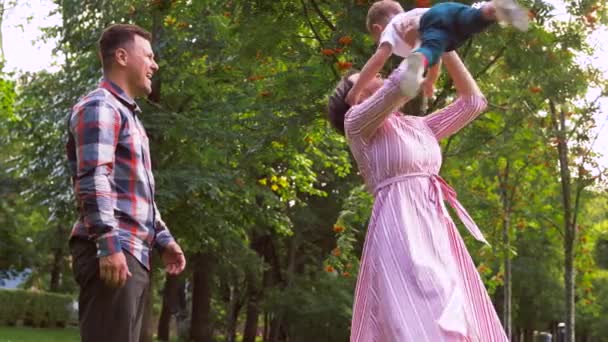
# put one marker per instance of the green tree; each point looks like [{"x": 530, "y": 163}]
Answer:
[{"x": 251, "y": 179}]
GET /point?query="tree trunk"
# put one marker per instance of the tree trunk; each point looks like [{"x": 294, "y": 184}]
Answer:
[
  {"x": 569, "y": 284},
  {"x": 169, "y": 307},
  {"x": 157, "y": 35},
  {"x": 277, "y": 327},
  {"x": 264, "y": 247},
  {"x": 58, "y": 248},
  {"x": 498, "y": 301},
  {"x": 508, "y": 294},
  {"x": 56, "y": 269},
  {"x": 147, "y": 329},
  {"x": 233, "y": 313},
  {"x": 529, "y": 335},
  {"x": 251, "y": 322},
  {"x": 200, "y": 327},
  {"x": 266, "y": 334},
  {"x": 147, "y": 324},
  {"x": 559, "y": 125},
  {"x": 276, "y": 331},
  {"x": 277, "y": 323},
  {"x": 506, "y": 240}
]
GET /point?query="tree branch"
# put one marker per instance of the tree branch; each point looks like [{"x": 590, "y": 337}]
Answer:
[
  {"x": 491, "y": 63},
  {"x": 448, "y": 86},
  {"x": 317, "y": 35},
  {"x": 518, "y": 175},
  {"x": 312, "y": 28},
  {"x": 578, "y": 122},
  {"x": 554, "y": 224},
  {"x": 483, "y": 142},
  {"x": 559, "y": 123},
  {"x": 323, "y": 17},
  {"x": 305, "y": 37},
  {"x": 579, "y": 191}
]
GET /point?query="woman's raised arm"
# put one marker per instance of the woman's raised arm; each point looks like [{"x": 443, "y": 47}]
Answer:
[{"x": 469, "y": 104}]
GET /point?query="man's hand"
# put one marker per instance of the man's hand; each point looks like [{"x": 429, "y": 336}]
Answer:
[
  {"x": 113, "y": 269},
  {"x": 173, "y": 258}
]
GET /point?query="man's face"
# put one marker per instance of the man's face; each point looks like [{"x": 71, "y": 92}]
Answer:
[{"x": 140, "y": 66}]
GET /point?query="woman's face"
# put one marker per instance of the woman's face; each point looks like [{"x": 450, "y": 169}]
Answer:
[{"x": 370, "y": 88}]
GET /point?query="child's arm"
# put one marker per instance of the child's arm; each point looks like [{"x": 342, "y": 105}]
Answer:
[
  {"x": 370, "y": 70},
  {"x": 428, "y": 85}
]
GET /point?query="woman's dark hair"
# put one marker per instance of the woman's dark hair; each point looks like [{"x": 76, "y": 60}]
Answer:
[{"x": 337, "y": 106}]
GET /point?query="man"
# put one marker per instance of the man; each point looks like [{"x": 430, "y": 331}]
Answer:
[{"x": 118, "y": 222}]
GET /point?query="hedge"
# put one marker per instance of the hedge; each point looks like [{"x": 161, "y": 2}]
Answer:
[{"x": 34, "y": 308}]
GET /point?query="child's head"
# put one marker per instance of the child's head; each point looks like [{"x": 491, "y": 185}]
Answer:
[{"x": 379, "y": 14}]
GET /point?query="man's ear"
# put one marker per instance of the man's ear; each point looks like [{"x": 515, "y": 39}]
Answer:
[{"x": 121, "y": 56}]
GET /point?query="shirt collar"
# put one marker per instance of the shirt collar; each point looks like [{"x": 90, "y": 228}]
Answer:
[{"x": 120, "y": 94}]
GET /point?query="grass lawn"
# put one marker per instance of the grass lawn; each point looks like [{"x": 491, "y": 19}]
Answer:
[{"x": 25, "y": 334}]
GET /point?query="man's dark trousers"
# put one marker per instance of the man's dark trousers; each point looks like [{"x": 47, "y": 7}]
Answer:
[{"x": 108, "y": 314}]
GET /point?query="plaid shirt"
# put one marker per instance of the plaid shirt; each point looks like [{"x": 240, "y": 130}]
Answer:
[{"x": 109, "y": 160}]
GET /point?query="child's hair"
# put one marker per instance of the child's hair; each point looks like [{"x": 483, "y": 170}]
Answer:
[{"x": 381, "y": 11}]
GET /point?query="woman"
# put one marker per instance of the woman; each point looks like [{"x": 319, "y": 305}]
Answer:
[{"x": 417, "y": 282}]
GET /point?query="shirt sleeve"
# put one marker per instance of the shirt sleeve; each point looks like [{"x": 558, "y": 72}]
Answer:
[
  {"x": 418, "y": 12},
  {"x": 363, "y": 120},
  {"x": 163, "y": 236},
  {"x": 389, "y": 36},
  {"x": 95, "y": 128},
  {"x": 455, "y": 116}
]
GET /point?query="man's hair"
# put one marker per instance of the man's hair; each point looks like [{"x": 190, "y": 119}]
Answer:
[
  {"x": 118, "y": 36},
  {"x": 337, "y": 106},
  {"x": 381, "y": 11}
]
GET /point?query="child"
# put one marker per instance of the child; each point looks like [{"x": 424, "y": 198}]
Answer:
[{"x": 441, "y": 28}]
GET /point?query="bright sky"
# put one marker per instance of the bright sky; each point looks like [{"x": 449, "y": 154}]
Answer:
[
  {"x": 24, "y": 52},
  {"x": 600, "y": 61}
]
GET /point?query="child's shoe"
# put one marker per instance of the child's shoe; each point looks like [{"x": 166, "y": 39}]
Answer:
[
  {"x": 412, "y": 78},
  {"x": 511, "y": 13}
]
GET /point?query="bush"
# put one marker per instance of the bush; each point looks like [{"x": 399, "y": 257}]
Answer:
[
  {"x": 12, "y": 306},
  {"x": 39, "y": 309},
  {"x": 317, "y": 309}
]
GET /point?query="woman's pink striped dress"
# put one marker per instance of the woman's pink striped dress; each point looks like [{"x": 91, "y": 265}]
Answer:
[{"x": 417, "y": 281}]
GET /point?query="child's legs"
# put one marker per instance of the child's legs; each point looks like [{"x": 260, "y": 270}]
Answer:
[
  {"x": 433, "y": 44},
  {"x": 457, "y": 20},
  {"x": 468, "y": 21}
]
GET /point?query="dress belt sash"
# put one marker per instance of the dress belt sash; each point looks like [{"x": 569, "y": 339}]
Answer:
[{"x": 441, "y": 190}]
